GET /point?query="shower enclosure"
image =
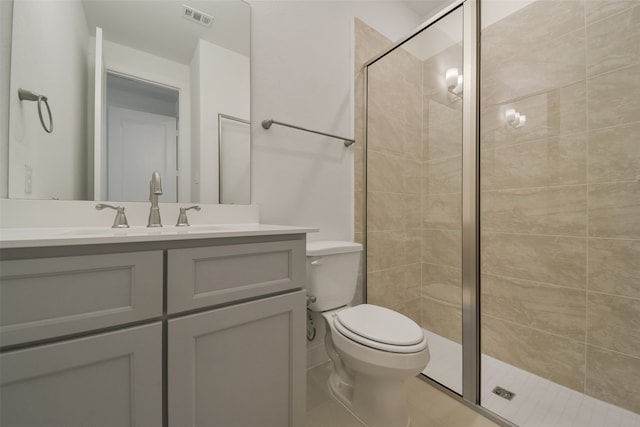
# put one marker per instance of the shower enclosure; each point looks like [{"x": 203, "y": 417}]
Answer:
[{"x": 498, "y": 198}]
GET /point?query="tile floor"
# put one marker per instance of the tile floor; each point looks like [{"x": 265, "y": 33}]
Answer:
[
  {"x": 429, "y": 407},
  {"x": 538, "y": 402}
]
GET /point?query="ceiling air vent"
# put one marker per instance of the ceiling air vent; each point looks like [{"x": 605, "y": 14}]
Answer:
[{"x": 195, "y": 15}]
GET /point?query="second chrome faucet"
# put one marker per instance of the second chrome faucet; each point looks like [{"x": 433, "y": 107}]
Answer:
[{"x": 155, "y": 190}]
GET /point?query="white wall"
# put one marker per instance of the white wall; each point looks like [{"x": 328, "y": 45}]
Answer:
[
  {"x": 6, "y": 13},
  {"x": 302, "y": 73},
  {"x": 235, "y": 161},
  {"x": 50, "y": 46},
  {"x": 224, "y": 77},
  {"x": 194, "y": 74}
]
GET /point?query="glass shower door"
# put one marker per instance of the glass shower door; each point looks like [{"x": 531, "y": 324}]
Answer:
[{"x": 414, "y": 187}]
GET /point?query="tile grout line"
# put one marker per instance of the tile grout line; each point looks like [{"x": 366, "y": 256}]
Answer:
[
  {"x": 553, "y": 334},
  {"x": 609, "y": 350},
  {"x": 609, "y": 294},
  {"x": 543, "y": 139},
  {"x": 537, "y": 282},
  {"x": 554, "y": 186},
  {"x": 566, "y": 236}
]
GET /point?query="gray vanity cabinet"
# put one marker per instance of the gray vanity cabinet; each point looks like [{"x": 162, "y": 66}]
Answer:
[
  {"x": 61, "y": 367},
  {"x": 202, "y": 332}
]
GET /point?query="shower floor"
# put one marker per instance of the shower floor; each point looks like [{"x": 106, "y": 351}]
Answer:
[{"x": 538, "y": 402}]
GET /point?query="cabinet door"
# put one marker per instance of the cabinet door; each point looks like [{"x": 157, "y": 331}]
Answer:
[
  {"x": 239, "y": 366},
  {"x": 112, "y": 379}
]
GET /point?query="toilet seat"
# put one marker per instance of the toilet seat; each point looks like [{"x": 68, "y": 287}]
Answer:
[{"x": 380, "y": 328}]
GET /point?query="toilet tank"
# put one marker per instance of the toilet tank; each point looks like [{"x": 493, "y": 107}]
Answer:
[{"x": 332, "y": 273}]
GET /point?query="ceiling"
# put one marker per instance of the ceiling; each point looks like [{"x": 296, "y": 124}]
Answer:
[{"x": 157, "y": 26}]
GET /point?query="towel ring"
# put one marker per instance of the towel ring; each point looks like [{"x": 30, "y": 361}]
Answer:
[{"x": 27, "y": 95}]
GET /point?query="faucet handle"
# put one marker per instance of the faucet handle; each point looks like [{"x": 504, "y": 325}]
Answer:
[
  {"x": 182, "y": 218},
  {"x": 121, "y": 219}
]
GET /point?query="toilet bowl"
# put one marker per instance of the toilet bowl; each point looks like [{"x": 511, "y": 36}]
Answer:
[
  {"x": 375, "y": 366},
  {"x": 373, "y": 349}
]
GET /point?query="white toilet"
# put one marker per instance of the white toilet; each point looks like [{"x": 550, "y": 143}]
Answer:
[{"x": 373, "y": 349}]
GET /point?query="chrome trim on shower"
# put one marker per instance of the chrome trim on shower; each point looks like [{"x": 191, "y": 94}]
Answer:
[
  {"x": 471, "y": 205},
  {"x": 477, "y": 408},
  {"x": 435, "y": 18},
  {"x": 268, "y": 122},
  {"x": 365, "y": 183}
]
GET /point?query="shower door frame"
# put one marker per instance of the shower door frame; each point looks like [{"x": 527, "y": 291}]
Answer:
[
  {"x": 471, "y": 203},
  {"x": 471, "y": 351}
]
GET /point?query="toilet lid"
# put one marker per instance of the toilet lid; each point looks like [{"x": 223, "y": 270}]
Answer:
[
  {"x": 332, "y": 247},
  {"x": 380, "y": 328}
]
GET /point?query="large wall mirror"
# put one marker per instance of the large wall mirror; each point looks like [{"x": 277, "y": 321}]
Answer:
[{"x": 133, "y": 86}]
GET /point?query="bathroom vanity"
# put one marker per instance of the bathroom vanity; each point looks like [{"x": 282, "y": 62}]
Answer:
[{"x": 193, "y": 327}]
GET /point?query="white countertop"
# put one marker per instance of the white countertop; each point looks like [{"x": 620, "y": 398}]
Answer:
[{"x": 69, "y": 236}]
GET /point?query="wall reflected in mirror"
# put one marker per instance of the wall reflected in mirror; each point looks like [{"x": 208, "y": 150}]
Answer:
[
  {"x": 134, "y": 86},
  {"x": 234, "y": 141}
]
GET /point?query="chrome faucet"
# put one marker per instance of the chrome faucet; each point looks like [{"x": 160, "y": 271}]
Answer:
[
  {"x": 183, "y": 221},
  {"x": 155, "y": 189},
  {"x": 121, "y": 219}
]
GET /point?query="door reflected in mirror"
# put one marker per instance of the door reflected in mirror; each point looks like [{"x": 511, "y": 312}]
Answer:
[
  {"x": 142, "y": 137},
  {"x": 134, "y": 86}
]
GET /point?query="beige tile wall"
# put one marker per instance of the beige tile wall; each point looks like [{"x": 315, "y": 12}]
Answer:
[{"x": 560, "y": 202}]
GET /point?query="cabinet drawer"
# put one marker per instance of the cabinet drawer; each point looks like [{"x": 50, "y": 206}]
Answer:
[
  {"x": 48, "y": 297},
  {"x": 201, "y": 277}
]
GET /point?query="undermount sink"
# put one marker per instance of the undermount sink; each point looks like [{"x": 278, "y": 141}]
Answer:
[
  {"x": 98, "y": 231},
  {"x": 144, "y": 230},
  {"x": 68, "y": 236},
  {"x": 200, "y": 228}
]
